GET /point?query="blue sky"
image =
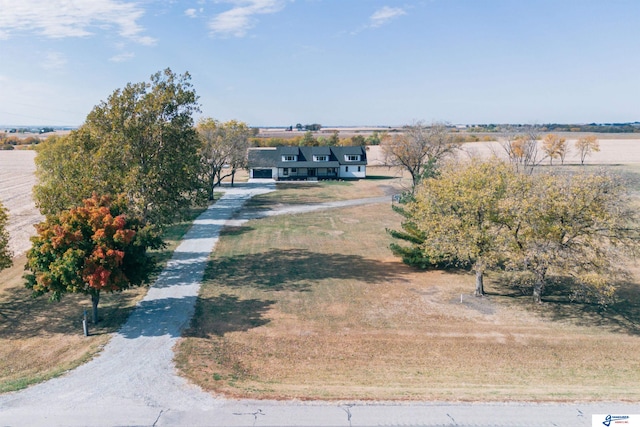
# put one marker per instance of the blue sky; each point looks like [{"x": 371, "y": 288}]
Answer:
[{"x": 334, "y": 62}]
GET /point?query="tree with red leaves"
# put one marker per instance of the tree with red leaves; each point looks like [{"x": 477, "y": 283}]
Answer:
[{"x": 89, "y": 249}]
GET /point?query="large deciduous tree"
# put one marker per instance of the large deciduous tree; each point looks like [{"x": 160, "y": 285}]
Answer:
[
  {"x": 69, "y": 170},
  {"x": 5, "y": 253},
  {"x": 140, "y": 142},
  {"x": 224, "y": 145},
  {"x": 457, "y": 212},
  {"x": 416, "y": 147},
  {"x": 578, "y": 226},
  {"x": 90, "y": 249}
]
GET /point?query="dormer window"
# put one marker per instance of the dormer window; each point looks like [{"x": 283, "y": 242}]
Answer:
[
  {"x": 289, "y": 158},
  {"x": 352, "y": 157},
  {"x": 322, "y": 158}
]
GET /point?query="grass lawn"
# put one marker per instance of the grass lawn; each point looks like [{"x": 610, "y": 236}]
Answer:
[
  {"x": 40, "y": 339},
  {"x": 314, "y": 306}
]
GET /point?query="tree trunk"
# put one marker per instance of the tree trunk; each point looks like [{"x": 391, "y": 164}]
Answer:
[
  {"x": 479, "y": 283},
  {"x": 95, "y": 299},
  {"x": 211, "y": 187},
  {"x": 211, "y": 177},
  {"x": 414, "y": 180},
  {"x": 233, "y": 176}
]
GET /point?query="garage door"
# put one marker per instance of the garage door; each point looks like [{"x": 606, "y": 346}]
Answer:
[{"x": 262, "y": 173}]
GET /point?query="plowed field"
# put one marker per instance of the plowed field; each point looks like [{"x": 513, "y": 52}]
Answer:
[{"x": 16, "y": 180}]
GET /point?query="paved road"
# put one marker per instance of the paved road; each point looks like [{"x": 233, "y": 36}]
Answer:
[{"x": 134, "y": 383}]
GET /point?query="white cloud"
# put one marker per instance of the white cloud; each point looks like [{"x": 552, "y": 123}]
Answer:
[
  {"x": 194, "y": 13},
  {"x": 54, "y": 61},
  {"x": 240, "y": 19},
  {"x": 122, "y": 57},
  {"x": 384, "y": 15},
  {"x": 72, "y": 18}
]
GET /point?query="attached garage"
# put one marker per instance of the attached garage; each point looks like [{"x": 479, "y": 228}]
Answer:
[{"x": 262, "y": 173}]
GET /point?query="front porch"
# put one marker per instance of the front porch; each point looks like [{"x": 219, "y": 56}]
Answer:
[{"x": 309, "y": 174}]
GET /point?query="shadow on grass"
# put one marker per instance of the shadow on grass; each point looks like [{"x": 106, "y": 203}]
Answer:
[
  {"x": 256, "y": 204},
  {"x": 620, "y": 316},
  {"x": 296, "y": 185},
  {"x": 380, "y": 177},
  {"x": 296, "y": 269},
  {"x": 23, "y": 316},
  {"x": 227, "y": 313},
  {"x": 230, "y": 231}
]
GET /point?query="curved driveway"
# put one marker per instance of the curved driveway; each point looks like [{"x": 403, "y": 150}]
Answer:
[{"x": 133, "y": 382}]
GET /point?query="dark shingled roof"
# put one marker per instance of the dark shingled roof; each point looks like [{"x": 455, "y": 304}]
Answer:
[{"x": 262, "y": 158}]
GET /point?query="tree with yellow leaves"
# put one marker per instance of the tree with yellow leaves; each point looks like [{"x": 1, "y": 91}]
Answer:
[
  {"x": 223, "y": 151},
  {"x": 458, "y": 213},
  {"x": 581, "y": 226},
  {"x": 555, "y": 147},
  {"x": 586, "y": 146},
  {"x": 488, "y": 214}
]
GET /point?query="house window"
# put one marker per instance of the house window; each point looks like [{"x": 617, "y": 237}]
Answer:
[
  {"x": 352, "y": 157},
  {"x": 358, "y": 168},
  {"x": 346, "y": 168},
  {"x": 285, "y": 171},
  {"x": 289, "y": 158},
  {"x": 294, "y": 170},
  {"x": 320, "y": 158}
]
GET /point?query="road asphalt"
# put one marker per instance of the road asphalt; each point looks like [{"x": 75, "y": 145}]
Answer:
[{"x": 133, "y": 382}]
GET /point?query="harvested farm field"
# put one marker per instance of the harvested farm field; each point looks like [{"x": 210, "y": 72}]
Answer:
[{"x": 16, "y": 181}]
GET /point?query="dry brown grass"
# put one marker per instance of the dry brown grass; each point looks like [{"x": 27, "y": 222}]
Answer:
[
  {"x": 40, "y": 339},
  {"x": 313, "y": 306}
]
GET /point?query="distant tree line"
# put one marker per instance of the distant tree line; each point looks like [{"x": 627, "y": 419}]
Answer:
[
  {"x": 8, "y": 142},
  {"x": 631, "y": 127},
  {"x": 312, "y": 140}
]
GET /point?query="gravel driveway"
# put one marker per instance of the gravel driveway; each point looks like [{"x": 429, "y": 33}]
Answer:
[{"x": 134, "y": 379}]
